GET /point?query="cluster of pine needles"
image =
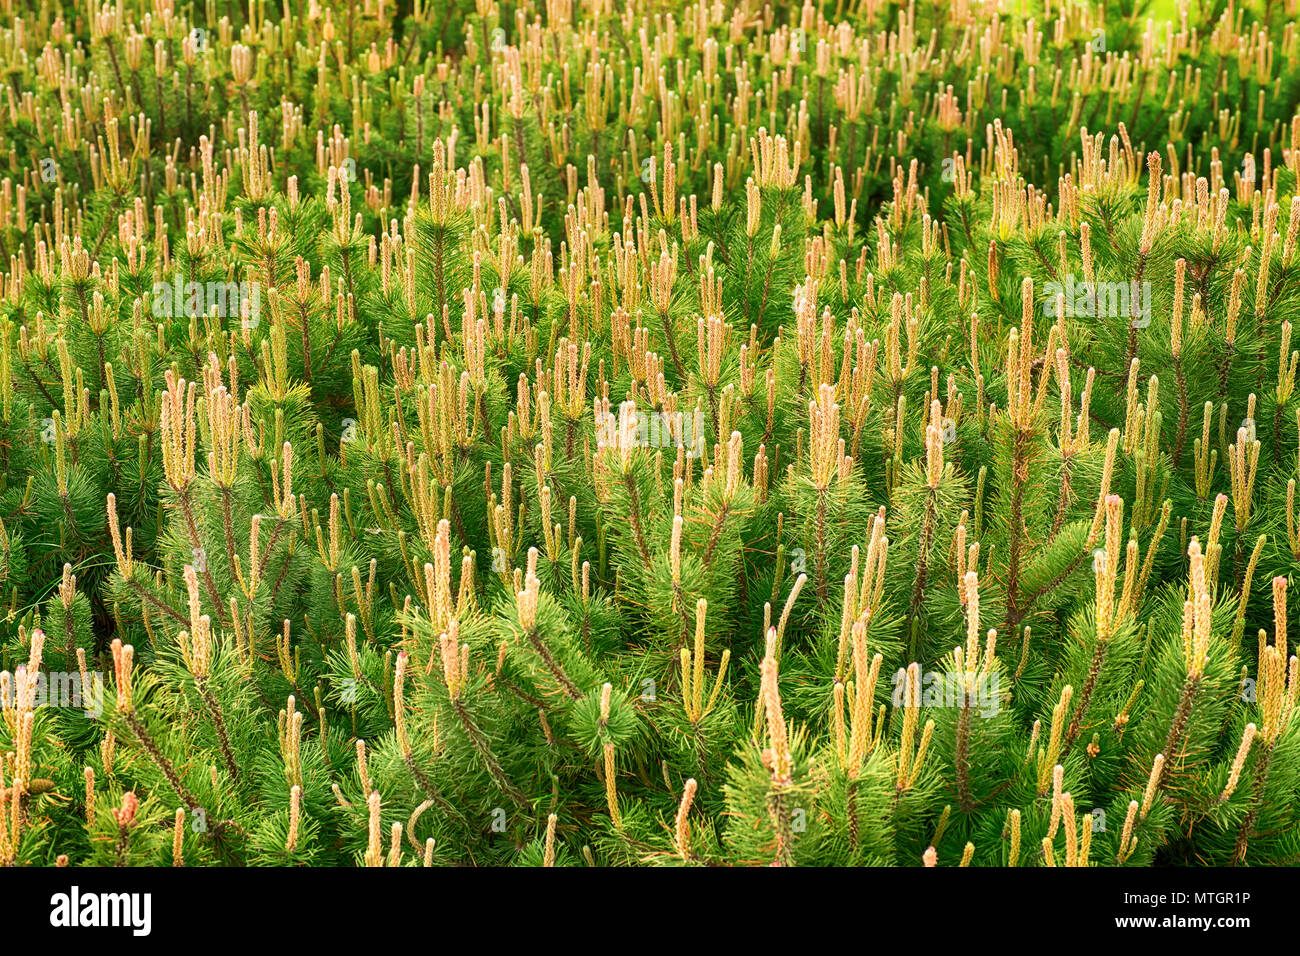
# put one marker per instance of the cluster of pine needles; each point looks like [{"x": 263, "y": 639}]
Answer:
[{"x": 450, "y": 432}]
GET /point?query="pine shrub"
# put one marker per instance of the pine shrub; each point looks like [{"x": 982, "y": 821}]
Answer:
[{"x": 855, "y": 433}]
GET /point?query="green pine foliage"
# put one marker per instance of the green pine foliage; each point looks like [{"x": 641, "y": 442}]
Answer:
[{"x": 856, "y": 434}]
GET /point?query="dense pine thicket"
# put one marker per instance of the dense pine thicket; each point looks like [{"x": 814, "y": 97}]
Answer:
[{"x": 555, "y": 434}]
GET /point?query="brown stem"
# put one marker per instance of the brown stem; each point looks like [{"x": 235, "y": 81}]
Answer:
[
  {"x": 1098, "y": 659},
  {"x": 220, "y": 724},
  {"x": 922, "y": 567},
  {"x": 480, "y": 744},
  {"x": 556, "y": 669},
  {"x": 634, "y": 516},
  {"x": 716, "y": 533},
  {"x": 429, "y": 789},
  {"x": 962, "y": 757},
  {"x": 1179, "y": 723},
  {"x": 1256, "y": 801},
  {"x": 672, "y": 345},
  {"x": 1181, "y": 378},
  {"x": 158, "y": 603},
  {"x": 227, "y": 521},
  {"x": 192, "y": 527},
  {"x": 160, "y": 760},
  {"x": 1015, "y": 530}
]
